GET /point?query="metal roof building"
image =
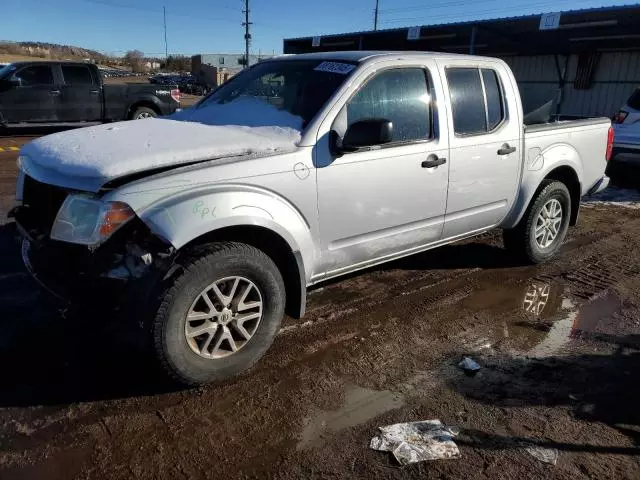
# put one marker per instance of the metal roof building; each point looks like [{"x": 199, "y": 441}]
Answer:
[{"x": 588, "y": 60}]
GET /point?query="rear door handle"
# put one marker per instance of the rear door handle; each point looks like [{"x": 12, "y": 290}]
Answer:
[
  {"x": 506, "y": 149},
  {"x": 433, "y": 161},
  {"x": 54, "y": 92},
  {"x": 95, "y": 92}
]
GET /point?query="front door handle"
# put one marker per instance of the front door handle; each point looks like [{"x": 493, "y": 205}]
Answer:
[
  {"x": 54, "y": 92},
  {"x": 433, "y": 161},
  {"x": 94, "y": 92},
  {"x": 506, "y": 149}
]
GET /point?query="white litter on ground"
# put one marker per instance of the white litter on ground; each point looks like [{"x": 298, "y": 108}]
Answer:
[
  {"x": 546, "y": 455},
  {"x": 622, "y": 197},
  {"x": 417, "y": 441},
  {"x": 469, "y": 365},
  {"x": 104, "y": 152}
]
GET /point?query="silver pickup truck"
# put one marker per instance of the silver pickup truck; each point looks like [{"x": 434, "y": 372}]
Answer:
[{"x": 209, "y": 225}]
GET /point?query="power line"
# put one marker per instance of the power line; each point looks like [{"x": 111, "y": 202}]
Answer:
[
  {"x": 474, "y": 13},
  {"x": 125, "y": 5},
  {"x": 152, "y": 10},
  {"x": 513, "y": 8},
  {"x": 430, "y": 6}
]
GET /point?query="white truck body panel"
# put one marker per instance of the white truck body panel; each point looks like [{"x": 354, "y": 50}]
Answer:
[{"x": 346, "y": 212}]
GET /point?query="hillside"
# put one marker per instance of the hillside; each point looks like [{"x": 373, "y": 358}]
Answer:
[{"x": 15, "y": 51}]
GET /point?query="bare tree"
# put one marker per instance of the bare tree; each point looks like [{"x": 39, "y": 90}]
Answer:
[
  {"x": 135, "y": 58},
  {"x": 178, "y": 63}
]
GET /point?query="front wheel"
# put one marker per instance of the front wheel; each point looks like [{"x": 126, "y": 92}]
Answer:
[
  {"x": 544, "y": 226},
  {"x": 220, "y": 315}
]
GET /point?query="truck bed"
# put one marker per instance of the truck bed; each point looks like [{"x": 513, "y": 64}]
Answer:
[{"x": 583, "y": 141}]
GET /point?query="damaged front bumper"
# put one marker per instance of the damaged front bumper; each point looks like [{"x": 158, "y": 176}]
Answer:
[{"x": 124, "y": 269}]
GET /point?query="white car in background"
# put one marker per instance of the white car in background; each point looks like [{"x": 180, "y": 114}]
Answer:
[{"x": 626, "y": 124}]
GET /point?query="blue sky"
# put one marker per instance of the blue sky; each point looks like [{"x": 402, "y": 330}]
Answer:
[{"x": 195, "y": 26}]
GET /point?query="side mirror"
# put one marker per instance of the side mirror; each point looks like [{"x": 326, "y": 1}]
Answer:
[{"x": 367, "y": 133}]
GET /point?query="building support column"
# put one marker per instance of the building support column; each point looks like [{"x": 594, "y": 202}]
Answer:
[
  {"x": 472, "y": 43},
  {"x": 562, "y": 79}
]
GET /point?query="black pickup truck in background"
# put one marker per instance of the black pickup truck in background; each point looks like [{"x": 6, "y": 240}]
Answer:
[{"x": 53, "y": 93}]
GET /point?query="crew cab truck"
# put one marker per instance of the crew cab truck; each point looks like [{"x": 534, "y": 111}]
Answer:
[
  {"x": 218, "y": 219},
  {"x": 53, "y": 93}
]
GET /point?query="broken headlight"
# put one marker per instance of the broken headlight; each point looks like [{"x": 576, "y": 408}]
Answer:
[{"x": 88, "y": 221}]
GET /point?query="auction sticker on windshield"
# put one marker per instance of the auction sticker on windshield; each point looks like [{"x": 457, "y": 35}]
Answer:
[{"x": 335, "y": 67}]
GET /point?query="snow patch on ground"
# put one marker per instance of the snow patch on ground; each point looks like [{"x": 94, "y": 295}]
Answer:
[
  {"x": 623, "y": 197},
  {"x": 242, "y": 127}
]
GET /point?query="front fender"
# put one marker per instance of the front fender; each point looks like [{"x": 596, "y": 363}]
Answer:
[
  {"x": 186, "y": 216},
  {"x": 538, "y": 165}
]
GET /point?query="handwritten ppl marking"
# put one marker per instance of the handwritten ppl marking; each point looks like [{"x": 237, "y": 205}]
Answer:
[{"x": 200, "y": 208}]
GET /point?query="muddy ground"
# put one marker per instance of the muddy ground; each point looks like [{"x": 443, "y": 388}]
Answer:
[{"x": 559, "y": 345}]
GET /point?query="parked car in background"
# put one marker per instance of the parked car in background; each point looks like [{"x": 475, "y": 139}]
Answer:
[
  {"x": 48, "y": 93},
  {"x": 214, "y": 222},
  {"x": 186, "y": 82},
  {"x": 117, "y": 73},
  {"x": 626, "y": 123}
]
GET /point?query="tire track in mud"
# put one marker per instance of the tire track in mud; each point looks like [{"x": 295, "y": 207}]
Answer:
[
  {"x": 598, "y": 275},
  {"x": 438, "y": 291}
]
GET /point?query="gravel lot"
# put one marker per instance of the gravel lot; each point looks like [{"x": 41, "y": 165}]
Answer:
[{"x": 559, "y": 345}]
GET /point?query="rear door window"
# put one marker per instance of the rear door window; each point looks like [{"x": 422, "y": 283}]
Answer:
[
  {"x": 35, "y": 75},
  {"x": 467, "y": 101},
  {"x": 77, "y": 75},
  {"x": 477, "y": 100}
]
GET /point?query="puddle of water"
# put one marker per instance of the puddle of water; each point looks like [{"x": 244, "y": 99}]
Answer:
[
  {"x": 558, "y": 336},
  {"x": 360, "y": 405},
  {"x": 536, "y": 319},
  {"x": 577, "y": 323},
  {"x": 592, "y": 313},
  {"x": 536, "y": 298},
  {"x": 524, "y": 313}
]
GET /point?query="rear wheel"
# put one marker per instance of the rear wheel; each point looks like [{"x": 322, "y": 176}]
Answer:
[
  {"x": 544, "y": 225},
  {"x": 220, "y": 315},
  {"x": 143, "y": 112}
]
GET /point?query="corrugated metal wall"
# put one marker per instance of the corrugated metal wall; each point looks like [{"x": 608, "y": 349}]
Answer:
[{"x": 615, "y": 78}]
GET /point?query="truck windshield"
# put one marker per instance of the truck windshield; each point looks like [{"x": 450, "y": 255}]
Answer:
[
  {"x": 299, "y": 87},
  {"x": 6, "y": 70}
]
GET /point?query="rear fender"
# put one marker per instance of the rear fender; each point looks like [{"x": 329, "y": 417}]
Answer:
[
  {"x": 538, "y": 165},
  {"x": 146, "y": 100}
]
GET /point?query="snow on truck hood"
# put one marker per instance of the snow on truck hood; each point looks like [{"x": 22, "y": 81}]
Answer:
[{"x": 89, "y": 157}]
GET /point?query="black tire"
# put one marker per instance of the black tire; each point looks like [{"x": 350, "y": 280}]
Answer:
[
  {"x": 521, "y": 240},
  {"x": 217, "y": 261},
  {"x": 143, "y": 112}
]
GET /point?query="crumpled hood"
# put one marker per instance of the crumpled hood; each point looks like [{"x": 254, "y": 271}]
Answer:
[{"x": 89, "y": 157}]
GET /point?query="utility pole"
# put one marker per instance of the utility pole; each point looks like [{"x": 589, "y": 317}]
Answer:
[
  {"x": 247, "y": 36},
  {"x": 166, "y": 48},
  {"x": 375, "y": 16}
]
